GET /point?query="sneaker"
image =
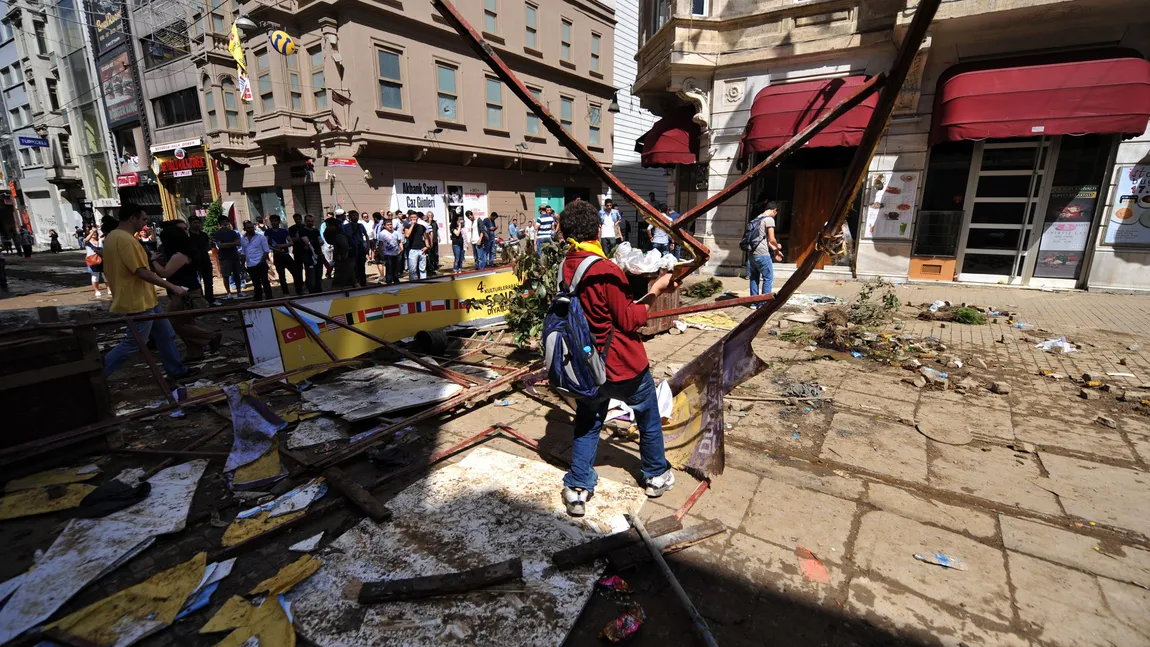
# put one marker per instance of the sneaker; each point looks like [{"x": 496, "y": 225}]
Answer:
[
  {"x": 217, "y": 303},
  {"x": 229, "y": 296},
  {"x": 576, "y": 500},
  {"x": 657, "y": 485}
]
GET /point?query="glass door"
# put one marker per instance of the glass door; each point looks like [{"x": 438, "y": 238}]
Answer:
[{"x": 1007, "y": 186}]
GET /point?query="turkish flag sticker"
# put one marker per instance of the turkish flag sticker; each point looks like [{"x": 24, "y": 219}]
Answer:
[{"x": 293, "y": 334}]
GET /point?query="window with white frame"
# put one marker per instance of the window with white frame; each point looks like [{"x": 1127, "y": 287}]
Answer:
[
  {"x": 231, "y": 104},
  {"x": 698, "y": 7},
  {"x": 532, "y": 29},
  {"x": 210, "y": 105},
  {"x": 565, "y": 40},
  {"x": 595, "y": 44},
  {"x": 318, "y": 83},
  {"x": 566, "y": 113},
  {"x": 494, "y": 103},
  {"x": 447, "y": 93},
  {"x": 390, "y": 79}
]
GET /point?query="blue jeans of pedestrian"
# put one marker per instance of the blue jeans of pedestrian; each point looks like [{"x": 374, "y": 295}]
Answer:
[
  {"x": 489, "y": 255},
  {"x": 608, "y": 245},
  {"x": 477, "y": 252},
  {"x": 458, "y": 251},
  {"x": 662, "y": 247},
  {"x": 639, "y": 394},
  {"x": 761, "y": 272},
  {"x": 161, "y": 332},
  {"x": 417, "y": 264}
]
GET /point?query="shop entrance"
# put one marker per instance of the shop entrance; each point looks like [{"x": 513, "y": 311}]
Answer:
[{"x": 815, "y": 193}]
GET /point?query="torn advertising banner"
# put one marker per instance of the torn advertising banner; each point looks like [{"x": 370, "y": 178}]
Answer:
[
  {"x": 694, "y": 436},
  {"x": 392, "y": 313}
]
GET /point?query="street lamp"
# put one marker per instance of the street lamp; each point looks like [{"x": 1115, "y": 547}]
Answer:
[{"x": 614, "y": 107}]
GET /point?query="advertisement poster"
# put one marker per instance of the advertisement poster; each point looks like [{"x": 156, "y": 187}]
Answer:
[
  {"x": 890, "y": 196},
  {"x": 108, "y": 22},
  {"x": 1128, "y": 222},
  {"x": 119, "y": 87},
  {"x": 392, "y": 313},
  {"x": 421, "y": 196},
  {"x": 466, "y": 196},
  {"x": 1066, "y": 231}
]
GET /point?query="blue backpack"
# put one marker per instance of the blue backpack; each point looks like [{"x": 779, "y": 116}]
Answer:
[{"x": 574, "y": 367}]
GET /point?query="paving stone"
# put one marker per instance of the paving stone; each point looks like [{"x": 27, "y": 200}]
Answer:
[
  {"x": 981, "y": 422},
  {"x": 1095, "y": 440},
  {"x": 995, "y": 475},
  {"x": 764, "y": 564},
  {"x": 1072, "y": 549},
  {"x": 916, "y": 618},
  {"x": 1141, "y": 446},
  {"x": 884, "y": 384},
  {"x": 1128, "y": 603},
  {"x": 1117, "y": 496},
  {"x": 792, "y": 517},
  {"x": 1134, "y": 424},
  {"x": 776, "y": 426},
  {"x": 877, "y": 446},
  {"x": 981, "y": 399},
  {"x": 873, "y": 405},
  {"x": 886, "y": 546},
  {"x": 726, "y": 499},
  {"x": 1064, "y": 606},
  {"x": 921, "y": 508},
  {"x": 802, "y": 474}
]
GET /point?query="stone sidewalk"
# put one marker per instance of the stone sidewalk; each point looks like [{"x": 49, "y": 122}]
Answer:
[{"x": 1054, "y": 538}]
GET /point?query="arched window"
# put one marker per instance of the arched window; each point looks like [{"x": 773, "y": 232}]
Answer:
[
  {"x": 210, "y": 104},
  {"x": 231, "y": 103}
]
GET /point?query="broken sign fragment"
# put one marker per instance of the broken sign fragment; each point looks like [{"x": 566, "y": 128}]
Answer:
[
  {"x": 373, "y": 391},
  {"x": 254, "y": 522},
  {"x": 254, "y": 426},
  {"x": 50, "y": 498},
  {"x": 626, "y": 625},
  {"x": 317, "y": 431},
  {"x": 268, "y": 624},
  {"x": 288, "y": 576},
  {"x": 58, "y": 476},
  {"x": 307, "y": 545}
]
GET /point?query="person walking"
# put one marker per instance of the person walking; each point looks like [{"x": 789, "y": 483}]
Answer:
[
  {"x": 609, "y": 219},
  {"x": 176, "y": 264},
  {"x": 614, "y": 320},
  {"x": 256, "y": 253},
  {"x": 54, "y": 241},
  {"x": 544, "y": 227},
  {"x": 490, "y": 231},
  {"x": 93, "y": 260},
  {"x": 419, "y": 239},
  {"x": 343, "y": 255},
  {"x": 376, "y": 255},
  {"x": 457, "y": 244},
  {"x": 279, "y": 240},
  {"x": 761, "y": 246},
  {"x": 26, "y": 242},
  {"x": 391, "y": 247},
  {"x": 79, "y": 234},
  {"x": 202, "y": 257},
  {"x": 131, "y": 282},
  {"x": 433, "y": 248},
  {"x": 660, "y": 239},
  {"x": 228, "y": 245}
]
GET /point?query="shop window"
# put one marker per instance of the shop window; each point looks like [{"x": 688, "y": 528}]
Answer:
[
  {"x": 490, "y": 16},
  {"x": 939, "y": 221},
  {"x": 1075, "y": 197},
  {"x": 532, "y": 30},
  {"x": 566, "y": 112},
  {"x": 176, "y": 108},
  {"x": 595, "y": 43},
  {"x": 594, "y": 119},
  {"x": 534, "y": 126},
  {"x": 447, "y": 93},
  {"x": 231, "y": 104},
  {"x": 494, "y": 103},
  {"x": 390, "y": 79},
  {"x": 166, "y": 44},
  {"x": 565, "y": 40}
]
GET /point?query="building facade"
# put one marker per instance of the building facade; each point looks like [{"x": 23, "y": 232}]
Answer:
[
  {"x": 1017, "y": 154},
  {"x": 12, "y": 91},
  {"x": 383, "y": 107}
]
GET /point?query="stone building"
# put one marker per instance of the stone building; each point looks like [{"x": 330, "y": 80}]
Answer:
[{"x": 1017, "y": 154}]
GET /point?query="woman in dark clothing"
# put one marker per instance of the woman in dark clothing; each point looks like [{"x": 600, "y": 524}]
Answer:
[
  {"x": 343, "y": 258},
  {"x": 457, "y": 242},
  {"x": 176, "y": 263},
  {"x": 54, "y": 245}
]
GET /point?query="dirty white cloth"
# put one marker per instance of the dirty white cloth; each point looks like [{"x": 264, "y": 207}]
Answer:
[{"x": 254, "y": 426}]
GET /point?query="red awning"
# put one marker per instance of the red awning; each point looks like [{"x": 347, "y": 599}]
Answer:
[
  {"x": 781, "y": 111},
  {"x": 673, "y": 140},
  {"x": 1104, "y": 96}
]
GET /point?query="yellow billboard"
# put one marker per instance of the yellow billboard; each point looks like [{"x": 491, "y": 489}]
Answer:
[{"x": 392, "y": 313}]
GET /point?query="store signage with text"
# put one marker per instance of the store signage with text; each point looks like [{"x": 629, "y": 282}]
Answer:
[
  {"x": 33, "y": 142},
  {"x": 183, "y": 167},
  {"x": 127, "y": 179},
  {"x": 341, "y": 162},
  {"x": 169, "y": 146}
]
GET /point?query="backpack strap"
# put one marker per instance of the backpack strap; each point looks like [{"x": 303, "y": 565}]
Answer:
[{"x": 580, "y": 271}]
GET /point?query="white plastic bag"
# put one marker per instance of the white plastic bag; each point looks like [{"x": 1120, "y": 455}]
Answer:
[
  {"x": 666, "y": 400},
  {"x": 1056, "y": 346}
]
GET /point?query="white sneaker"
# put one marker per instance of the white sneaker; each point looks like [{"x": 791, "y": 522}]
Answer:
[
  {"x": 98, "y": 295},
  {"x": 576, "y": 500},
  {"x": 229, "y": 296},
  {"x": 657, "y": 485}
]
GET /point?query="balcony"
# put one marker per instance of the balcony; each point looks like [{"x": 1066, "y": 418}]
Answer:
[
  {"x": 215, "y": 50},
  {"x": 232, "y": 142},
  {"x": 63, "y": 174}
]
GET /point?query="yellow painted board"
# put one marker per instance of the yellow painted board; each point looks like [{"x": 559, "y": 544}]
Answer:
[{"x": 27, "y": 503}]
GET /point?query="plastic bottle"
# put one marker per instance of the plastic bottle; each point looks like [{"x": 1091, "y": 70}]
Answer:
[
  {"x": 1022, "y": 326},
  {"x": 931, "y": 374}
]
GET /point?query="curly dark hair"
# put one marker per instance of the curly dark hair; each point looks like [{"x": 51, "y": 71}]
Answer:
[{"x": 580, "y": 220}]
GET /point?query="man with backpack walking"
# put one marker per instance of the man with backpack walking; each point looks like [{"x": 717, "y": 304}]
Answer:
[
  {"x": 760, "y": 245},
  {"x": 594, "y": 353}
]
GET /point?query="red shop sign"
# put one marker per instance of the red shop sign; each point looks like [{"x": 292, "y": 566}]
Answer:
[
  {"x": 127, "y": 179},
  {"x": 189, "y": 163},
  {"x": 341, "y": 162}
]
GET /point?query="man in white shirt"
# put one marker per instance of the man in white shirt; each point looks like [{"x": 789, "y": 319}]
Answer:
[
  {"x": 472, "y": 234},
  {"x": 256, "y": 253},
  {"x": 609, "y": 222},
  {"x": 660, "y": 239}
]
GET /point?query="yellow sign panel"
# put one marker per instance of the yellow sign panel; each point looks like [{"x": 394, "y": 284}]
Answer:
[{"x": 392, "y": 314}]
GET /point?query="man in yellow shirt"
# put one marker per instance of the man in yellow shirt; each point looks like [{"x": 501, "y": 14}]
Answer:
[{"x": 133, "y": 293}]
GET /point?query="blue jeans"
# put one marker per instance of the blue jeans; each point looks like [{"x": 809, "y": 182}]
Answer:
[
  {"x": 478, "y": 253},
  {"x": 160, "y": 330},
  {"x": 539, "y": 243},
  {"x": 458, "y": 251},
  {"x": 662, "y": 247},
  {"x": 760, "y": 269},
  {"x": 489, "y": 255},
  {"x": 639, "y": 394},
  {"x": 417, "y": 264},
  {"x": 608, "y": 245}
]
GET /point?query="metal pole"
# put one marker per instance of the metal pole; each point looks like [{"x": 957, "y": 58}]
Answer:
[{"x": 657, "y": 554}]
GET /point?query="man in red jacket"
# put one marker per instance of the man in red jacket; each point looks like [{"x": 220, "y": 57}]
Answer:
[{"x": 605, "y": 295}]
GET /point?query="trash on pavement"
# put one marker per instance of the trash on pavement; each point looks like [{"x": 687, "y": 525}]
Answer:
[
  {"x": 1106, "y": 422},
  {"x": 626, "y": 625},
  {"x": 941, "y": 559},
  {"x": 50, "y": 498},
  {"x": 614, "y": 583},
  {"x": 813, "y": 568},
  {"x": 254, "y": 425},
  {"x": 934, "y": 307},
  {"x": 1059, "y": 345},
  {"x": 931, "y": 374},
  {"x": 254, "y": 522},
  {"x": 1120, "y": 375},
  {"x": 288, "y": 576},
  {"x": 317, "y": 431},
  {"x": 804, "y": 390}
]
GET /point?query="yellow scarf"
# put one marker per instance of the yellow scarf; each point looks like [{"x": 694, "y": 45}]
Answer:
[{"x": 589, "y": 246}]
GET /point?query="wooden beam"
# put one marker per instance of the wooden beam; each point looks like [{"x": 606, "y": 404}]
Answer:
[
  {"x": 428, "y": 586},
  {"x": 357, "y": 495},
  {"x": 668, "y": 543},
  {"x": 600, "y": 546}
]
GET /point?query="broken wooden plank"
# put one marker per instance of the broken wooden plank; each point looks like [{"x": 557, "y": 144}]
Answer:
[
  {"x": 445, "y": 584},
  {"x": 601, "y": 546},
  {"x": 669, "y": 543},
  {"x": 357, "y": 495}
]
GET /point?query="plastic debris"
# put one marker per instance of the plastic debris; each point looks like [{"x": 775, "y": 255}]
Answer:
[
  {"x": 937, "y": 304},
  {"x": 940, "y": 559},
  {"x": 1056, "y": 345},
  {"x": 505, "y": 403},
  {"x": 931, "y": 374},
  {"x": 626, "y": 625},
  {"x": 804, "y": 390},
  {"x": 614, "y": 583},
  {"x": 307, "y": 545},
  {"x": 813, "y": 569},
  {"x": 856, "y": 354},
  {"x": 635, "y": 261},
  {"x": 1022, "y": 326},
  {"x": 293, "y": 501}
]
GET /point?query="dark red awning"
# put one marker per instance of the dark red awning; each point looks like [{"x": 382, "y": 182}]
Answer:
[
  {"x": 781, "y": 111},
  {"x": 1104, "y": 96},
  {"x": 672, "y": 140}
]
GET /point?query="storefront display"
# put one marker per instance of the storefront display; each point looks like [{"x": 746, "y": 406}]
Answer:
[
  {"x": 890, "y": 198},
  {"x": 1128, "y": 222},
  {"x": 185, "y": 174},
  {"x": 1066, "y": 232}
]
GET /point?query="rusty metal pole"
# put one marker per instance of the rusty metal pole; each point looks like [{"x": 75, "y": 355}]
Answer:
[{"x": 311, "y": 333}]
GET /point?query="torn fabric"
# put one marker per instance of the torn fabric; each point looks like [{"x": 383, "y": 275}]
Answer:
[{"x": 254, "y": 425}]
